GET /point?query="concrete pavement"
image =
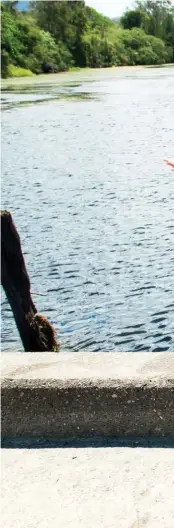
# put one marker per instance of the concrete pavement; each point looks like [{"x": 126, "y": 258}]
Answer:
[
  {"x": 87, "y": 394},
  {"x": 91, "y": 482},
  {"x": 92, "y": 487}
]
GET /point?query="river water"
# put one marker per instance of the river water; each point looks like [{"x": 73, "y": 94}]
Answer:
[{"x": 84, "y": 177}]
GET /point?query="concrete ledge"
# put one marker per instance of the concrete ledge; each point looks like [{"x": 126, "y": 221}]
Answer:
[{"x": 87, "y": 394}]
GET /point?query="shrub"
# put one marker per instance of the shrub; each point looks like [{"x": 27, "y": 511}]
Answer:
[{"x": 15, "y": 71}]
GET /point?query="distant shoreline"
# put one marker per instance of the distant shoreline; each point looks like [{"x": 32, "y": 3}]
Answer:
[{"x": 76, "y": 72}]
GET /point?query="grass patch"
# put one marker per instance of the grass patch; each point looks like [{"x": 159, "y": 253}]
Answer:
[{"x": 15, "y": 71}]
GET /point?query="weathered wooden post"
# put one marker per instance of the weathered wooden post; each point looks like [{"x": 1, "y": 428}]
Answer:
[{"x": 36, "y": 333}]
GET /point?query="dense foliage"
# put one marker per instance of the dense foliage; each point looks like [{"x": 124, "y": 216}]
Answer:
[
  {"x": 156, "y": 18},
  {"x": 54, "y": 36}
]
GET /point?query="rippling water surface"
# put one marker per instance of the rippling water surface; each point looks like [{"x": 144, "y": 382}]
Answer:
[{"x": 83, "y": 175}]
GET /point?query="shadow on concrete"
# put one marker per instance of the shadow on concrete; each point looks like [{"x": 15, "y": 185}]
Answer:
[{"x": 90, "y": 442}]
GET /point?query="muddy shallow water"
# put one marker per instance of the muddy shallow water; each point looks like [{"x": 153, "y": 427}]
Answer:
[{"x": 83, "y": 175}]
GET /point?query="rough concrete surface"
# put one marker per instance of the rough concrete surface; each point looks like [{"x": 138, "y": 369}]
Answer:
[
  {"x": 88, "y": 487},
  {"x": 108, "y": 394}
]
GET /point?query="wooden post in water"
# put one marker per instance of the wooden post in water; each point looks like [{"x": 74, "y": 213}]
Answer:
[{"x": 36, "y": 333}]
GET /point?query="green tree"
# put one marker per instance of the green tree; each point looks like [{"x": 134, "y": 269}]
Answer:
[
  {"x": 156, "y": 17},
  {"x": 141, "y": 48},
  {"x": 133, "y": 18},
  {"x": 25, "y": 45},
  {"x": 11, "y": 6},
  {"x": 65, "y": 21},
  {"x": 55, "y": 35},
  {"x": 11, "y": 44},
  {"x": 48, "y": 55}
]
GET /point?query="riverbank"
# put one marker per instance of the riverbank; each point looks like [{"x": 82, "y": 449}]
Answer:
[
  {"x": 78, "y": 74},
  {"x": 57, "y": 78},
  {"x": 72, "y": 395}
]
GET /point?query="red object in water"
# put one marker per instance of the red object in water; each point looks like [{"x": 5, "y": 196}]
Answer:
[{"x": 170, "y": 163}]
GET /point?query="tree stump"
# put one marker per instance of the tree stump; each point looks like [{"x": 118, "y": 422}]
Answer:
[{"x": 36, "y": 333}]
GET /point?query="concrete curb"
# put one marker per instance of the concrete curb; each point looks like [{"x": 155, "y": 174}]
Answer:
[{"x": 87, "y": 394}]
